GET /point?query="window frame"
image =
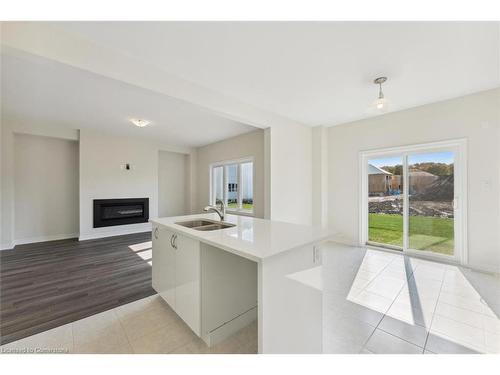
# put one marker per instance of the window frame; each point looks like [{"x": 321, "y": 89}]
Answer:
[
  {"x": 459, "y": 147},
  {"x": 224, "y": 164}
]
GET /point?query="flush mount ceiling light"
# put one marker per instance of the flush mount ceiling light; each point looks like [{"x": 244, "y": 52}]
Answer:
[
  {"x": 380, "y": 105},
  {"x": 140, "y": 123}
]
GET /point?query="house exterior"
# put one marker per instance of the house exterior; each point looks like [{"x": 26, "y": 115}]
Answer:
[
  {"x": 379, "y": 181},
  {"x": 420, "y": 181},
  {"x": 246, "y": 180}
]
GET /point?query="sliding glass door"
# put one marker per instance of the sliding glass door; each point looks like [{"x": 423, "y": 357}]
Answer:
[
  {"x": 431, "y": 195},
  {"x": 385, "y": 201},
  {"x": 411, "y": 199}
]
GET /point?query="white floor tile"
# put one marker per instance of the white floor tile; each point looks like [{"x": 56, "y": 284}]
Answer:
[
  {"x": 384, "y": 343},
  {"x": 491, "y": 324},
  {"x": 460, "y": 333},
  {"x": 440, "y": 344},
  {"x": 346, "y": 329},
  {"x": 100, "y": 333},
  {"x": 373, "y": 301},
  {"x": 460, "y": 315},
  {"x": 359, "y": 312},
  {"x": 411, "y": 312},
  {"x": 412, "y": 333},
  {"x": 386, "y": 286},
  {"x": 147, "y": 320},
  {"x": 56, "y": 340},
  {"x": 473, "y": 304},
  {"x": 492, "y": 343},
  {"x": 163, "y": 340},
  {"x": 336, "y": 345}
]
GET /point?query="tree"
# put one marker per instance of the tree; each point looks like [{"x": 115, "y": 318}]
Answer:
[
  {"x": 396, "y": 170},
  {"x": 437, "y": 169}
]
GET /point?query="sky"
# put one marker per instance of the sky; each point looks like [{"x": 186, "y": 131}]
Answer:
[{"x": 436, "y": 157}]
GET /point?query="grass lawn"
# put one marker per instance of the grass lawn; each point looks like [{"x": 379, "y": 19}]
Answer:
[
  {"x": 245, "y": 206},
  {"x": 426, "y": 233}
]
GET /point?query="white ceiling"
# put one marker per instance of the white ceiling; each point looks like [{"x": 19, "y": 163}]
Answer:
[
  {"x": 41, "y": 91},
  {"x": 317, "y": 73}
]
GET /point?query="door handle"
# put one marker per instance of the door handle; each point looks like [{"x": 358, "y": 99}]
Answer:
[
  {"x": 175, "y": 242},
  {"x": 156, "y": 233},
  {"x": 172, "y": 240}
]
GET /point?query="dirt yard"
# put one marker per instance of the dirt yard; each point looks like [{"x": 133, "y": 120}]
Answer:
[{"x": 394, "y": 205}]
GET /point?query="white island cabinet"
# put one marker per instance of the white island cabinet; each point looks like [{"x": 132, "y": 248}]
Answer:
[
  {"x": 181, "y": 265},
  {"x": 177, "y": 275},
  {"x": 221, "y": 280}
]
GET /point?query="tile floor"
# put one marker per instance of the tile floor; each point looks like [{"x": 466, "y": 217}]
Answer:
[
  {"x": 373, "y": 302},
  {"x": 381, "y": 302},
  {"x": 148, "y": 325}
]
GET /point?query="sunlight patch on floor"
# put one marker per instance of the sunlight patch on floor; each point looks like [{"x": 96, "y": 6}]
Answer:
[{"x": 141, "y": 246}]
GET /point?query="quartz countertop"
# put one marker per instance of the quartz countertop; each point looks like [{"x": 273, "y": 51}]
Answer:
[{"x": 251, "y": 238}]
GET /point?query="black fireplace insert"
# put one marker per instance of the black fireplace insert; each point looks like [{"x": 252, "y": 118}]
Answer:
[{"x": 109, "y": 212}]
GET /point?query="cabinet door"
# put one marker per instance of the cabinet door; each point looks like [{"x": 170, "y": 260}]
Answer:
[
  {"x": 187, "y": 291},
  {"x": 164, "y": 264}
]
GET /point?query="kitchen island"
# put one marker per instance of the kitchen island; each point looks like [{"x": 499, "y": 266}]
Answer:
[{"x": 220, "y": 280}]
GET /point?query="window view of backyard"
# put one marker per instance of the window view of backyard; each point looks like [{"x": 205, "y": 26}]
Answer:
[
  {"x": 233, "y": 184},
  {"x": 430, "y": 195}
]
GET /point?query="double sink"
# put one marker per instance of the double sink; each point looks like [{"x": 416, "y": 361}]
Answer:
[{"x": 205, "y": 224}]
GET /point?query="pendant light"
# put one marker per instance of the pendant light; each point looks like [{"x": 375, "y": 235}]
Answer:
[{"x": 380, "y": 105}]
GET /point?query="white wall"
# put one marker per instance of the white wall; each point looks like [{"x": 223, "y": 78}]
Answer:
[
  {"x": 291, "y": 173},
  {"x": 9, "y": 131},
  {"x": 475, "y": 117},
  {"x": 173, "y": 183},
  {"x": 320, "y": 176},
  {"x": 46, "y": 188},
  {"x": 7, "y": 173},
  {"x": 102, "y": 176},
  {"x": 245, "y": 145}
]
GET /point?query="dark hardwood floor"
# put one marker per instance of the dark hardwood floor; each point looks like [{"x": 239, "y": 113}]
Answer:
[{"x": 45, "y": 285}]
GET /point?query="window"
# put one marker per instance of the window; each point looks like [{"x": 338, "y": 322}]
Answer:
[{"x": 232, "y": 183}]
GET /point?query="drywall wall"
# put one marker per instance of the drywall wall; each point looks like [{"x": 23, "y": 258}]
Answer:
[
  {"x": 7, "y": 198},
  {"x": 46, "y": 188},
  {"x": 291, "y": 163},
  {"x": 9, "y": 130},
  {"x": 172, "y": 183},
  {"x": 100, "y": 155},
  {"x": 103, "y": 176},
  {"x": 320, "y": 176},
  {"x": 474, "y": 117},
  {"x": 245, "y": 145}
]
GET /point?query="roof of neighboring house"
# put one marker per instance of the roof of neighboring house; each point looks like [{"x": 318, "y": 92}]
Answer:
[
  {"x": 418, "y": 172},
  {"x": 376, "y": 170}
]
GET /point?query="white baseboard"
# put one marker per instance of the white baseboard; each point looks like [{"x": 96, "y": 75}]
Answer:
[
  {"x": 89, "y": 236},
  {"x": 6, "y": 246},
  {"x": 231, "y": 327},
  {"x": 115, "y": 232},
  {"x": 23, "y": 241}
]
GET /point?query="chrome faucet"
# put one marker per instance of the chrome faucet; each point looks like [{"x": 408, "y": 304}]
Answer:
[{"x": 220, "y": 211}]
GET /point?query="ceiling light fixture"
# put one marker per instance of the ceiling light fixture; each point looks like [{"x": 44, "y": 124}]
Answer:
[
  {"x": 140, "y": 123},
  {"x": 380, "y": 105}
]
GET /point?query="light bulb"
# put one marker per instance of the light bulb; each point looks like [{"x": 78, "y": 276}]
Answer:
[
  {"x": 380, "y": 105},
  {"x": 140, "y": 122}
]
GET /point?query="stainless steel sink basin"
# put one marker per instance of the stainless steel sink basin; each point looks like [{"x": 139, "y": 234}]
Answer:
[{"x": 205, "y": 225}]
